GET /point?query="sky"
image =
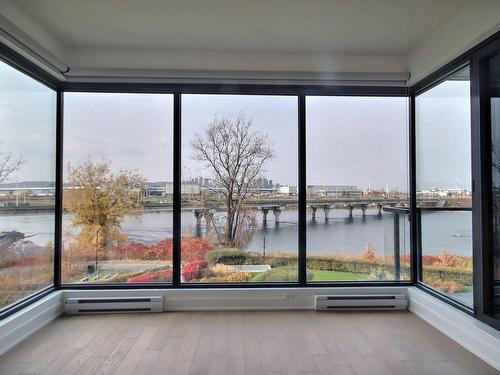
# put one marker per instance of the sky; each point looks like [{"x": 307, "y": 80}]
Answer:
[
  {"x": 443, "y": 136},
  {"x": 27, "y": 124},
  {"x": 360, "y": 141}
]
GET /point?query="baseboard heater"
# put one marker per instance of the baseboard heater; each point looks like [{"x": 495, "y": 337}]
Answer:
[
  {"x": 113, "y": 305},
  {"x": 361, "y": 302}
]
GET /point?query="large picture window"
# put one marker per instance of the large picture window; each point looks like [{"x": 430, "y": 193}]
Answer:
[
  {"x": 118, "y": 185},
  {"x": 239, "y": 189},
  {"x": 357, "y": 188},
  {"x": 443, "y": 186},
  {"x": 27, "y": 185}
]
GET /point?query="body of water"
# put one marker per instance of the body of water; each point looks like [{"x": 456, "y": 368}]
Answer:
[{"x": 451, "y": 231}]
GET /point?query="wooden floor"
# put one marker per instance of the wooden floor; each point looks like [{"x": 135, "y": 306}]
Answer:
[{"x": 304, "y": 342}]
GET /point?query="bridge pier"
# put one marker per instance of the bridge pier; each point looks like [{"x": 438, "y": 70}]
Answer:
[
  {"x": 198, "y": 214},
  {"x": 277, "y": 213},
  {"x": 314, "y": 208},
  {"x": 379, "y": 209},
  {"x": 350, "y": 210},
  {"x": 363, "y": 211},
  {"x": 264, "y": 214},
  {"x": 209, "y": 218},
  {"x": 326, "y": 209}
]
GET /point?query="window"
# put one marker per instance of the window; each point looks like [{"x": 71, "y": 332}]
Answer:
[
  {"x": 357, "y": 188},
  {"x": 494, "y": 102},
  {"x": 117, "y": 196},
  {"x": 239, "y": 188},
  {"x": 27, "y": 181},
  {"x": 443, "y": 183}
]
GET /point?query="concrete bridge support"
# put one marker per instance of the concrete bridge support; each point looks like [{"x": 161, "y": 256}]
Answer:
[
  {"x": 277, "y": 213},
  {"x": 314, "y": 208},
  {"x": 264, "y": 214},
  {"x": 350, "y": 210},
  {"x": 326, "y": 209},
  {"x": 363, "y": 210},
  {"x": 198, "y": 214},
  {"x": 209, "y": 218}
]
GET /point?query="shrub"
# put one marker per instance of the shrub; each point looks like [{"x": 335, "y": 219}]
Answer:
[
  {"x": 369, "y": 254},
  {"x": 283, "y": 274},
  {"x": 226, "y": 256},
  {"x": 447, "y": 286},
  {"x": 234, "y": 277},
  {"x": 219, "y": 270},
  {"x": 380, "y": 273},
  {"x": 193, "y": 270},
  {"x": 194, "y": 248},
  {"x": 462, "y": 276},
  {"x": 163, "y": 275}
]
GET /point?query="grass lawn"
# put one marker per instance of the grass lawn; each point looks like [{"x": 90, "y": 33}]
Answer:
[{"x": 337, "y": 276}]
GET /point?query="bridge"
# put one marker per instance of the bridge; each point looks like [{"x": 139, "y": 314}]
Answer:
[{"x": 279, "y": 205}]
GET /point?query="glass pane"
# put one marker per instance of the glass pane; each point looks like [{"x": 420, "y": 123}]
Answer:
[
  {"x": 27, "y": 180},
  {"x": 356, "y": 170},
  {"x": 443, "y": 179},
  {"x": 494, "y": 71},
  {"x": 117, "y": 222},
  {"x": 239, "y": 188}
]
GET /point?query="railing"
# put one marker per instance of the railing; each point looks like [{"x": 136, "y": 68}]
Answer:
[{"x": 396, "y": 241}]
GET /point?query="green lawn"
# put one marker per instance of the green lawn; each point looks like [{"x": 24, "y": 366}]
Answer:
[{"x": 337, "y": 276}]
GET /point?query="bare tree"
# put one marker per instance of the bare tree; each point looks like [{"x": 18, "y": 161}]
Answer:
[
  {"x": 236, "y": 155},
  {"x": 8, "y": 165}
]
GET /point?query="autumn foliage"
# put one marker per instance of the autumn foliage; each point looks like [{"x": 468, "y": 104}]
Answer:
[
  {"x": 192, "y": 249},
  {"x": 163, "y": 275}
]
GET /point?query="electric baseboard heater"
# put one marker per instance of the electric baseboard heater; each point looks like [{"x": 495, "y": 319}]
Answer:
[
  {"x": 361, "y": 302},
  {"x": 113, "y": 305}
]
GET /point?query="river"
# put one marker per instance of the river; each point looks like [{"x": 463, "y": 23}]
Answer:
[{"x": 449, "y": 231}]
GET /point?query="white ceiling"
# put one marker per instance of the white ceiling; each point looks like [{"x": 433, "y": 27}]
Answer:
[
  {"x": 318, "y": 36},
  {"x": 298, "y": 26}
]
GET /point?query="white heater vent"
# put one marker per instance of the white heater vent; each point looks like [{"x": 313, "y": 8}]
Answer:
[
  {"x": 362, "y": 302},
  {"x": 113, "y": 305}
]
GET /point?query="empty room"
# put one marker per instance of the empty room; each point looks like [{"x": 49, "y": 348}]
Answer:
[{"x": 266, "y": 187}]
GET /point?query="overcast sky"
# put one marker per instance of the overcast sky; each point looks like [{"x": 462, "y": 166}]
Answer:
[
  {"x": 443, "y": 136},
  {"x": 350, "y": 140},
  {"x": 27, "y": 118}
]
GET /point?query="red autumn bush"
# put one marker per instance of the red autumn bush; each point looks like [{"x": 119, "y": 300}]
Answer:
[
  {"x": 192, "y": 248},
  {"x": 163, "y": 275},
  {"x": 193, "y": 270}
]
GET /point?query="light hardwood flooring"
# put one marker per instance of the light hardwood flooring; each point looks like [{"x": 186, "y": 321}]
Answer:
[{"x": 263, "y": 343}]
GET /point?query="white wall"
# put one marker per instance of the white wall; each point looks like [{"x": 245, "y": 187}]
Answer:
[{"x": 466, "y": 27}]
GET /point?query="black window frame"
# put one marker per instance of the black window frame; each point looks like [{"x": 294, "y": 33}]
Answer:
[
  {"x": 415, "y": 211},
  {"x": 479, "y": 141},
  {"x": 298, "y": 91},
  {"x": 481, "y": 179},
  {"x": 31, "y": 70}
]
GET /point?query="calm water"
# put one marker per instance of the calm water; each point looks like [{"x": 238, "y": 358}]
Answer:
[{"x": 441, "y": 230}]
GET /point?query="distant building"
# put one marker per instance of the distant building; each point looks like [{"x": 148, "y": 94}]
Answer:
[
  {"x": 287, "y": 190},
  {"x": 438, "y": 193},
  {"x": 334, "y": 191},
  {"x": 161, "y": 189}
]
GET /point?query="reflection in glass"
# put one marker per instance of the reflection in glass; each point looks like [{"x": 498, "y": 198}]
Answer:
[
  {"x": 117, "y": 195},
  {"x": 356, "y": 171},
  {"x": 443, "y": 160},
  {"x": 27, "y": 180},
  {"x": 239, "y": 189}
]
